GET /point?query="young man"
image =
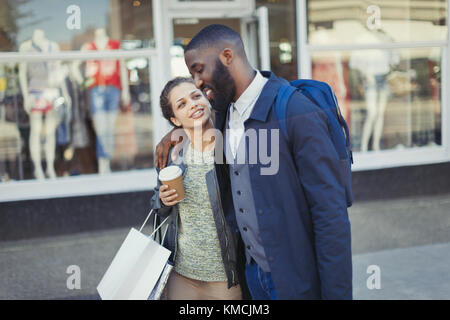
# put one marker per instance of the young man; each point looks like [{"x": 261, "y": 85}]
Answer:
[{"x": 293, "y": 223}]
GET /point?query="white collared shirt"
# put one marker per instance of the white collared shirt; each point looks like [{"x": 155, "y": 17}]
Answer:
[{"x": 242, "y": 109}]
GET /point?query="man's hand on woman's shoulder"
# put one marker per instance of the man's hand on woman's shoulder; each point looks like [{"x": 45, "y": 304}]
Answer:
[{"x": 174, "y": 137}]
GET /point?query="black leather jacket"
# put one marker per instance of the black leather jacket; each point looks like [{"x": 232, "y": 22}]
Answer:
[{"x": 227, "y": 238}]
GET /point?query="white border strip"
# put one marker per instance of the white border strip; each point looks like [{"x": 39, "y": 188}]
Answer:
[
  {"x": 374, "y": 160},
  {"x": 74, "y": 186},
  {"x": 145, "y": 179},
  {"x": 175, "y": 5},
  {"x": 364, "y": 46}
]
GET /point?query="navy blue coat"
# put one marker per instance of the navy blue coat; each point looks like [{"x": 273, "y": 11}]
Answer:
[{"x": 301, "y": 210}]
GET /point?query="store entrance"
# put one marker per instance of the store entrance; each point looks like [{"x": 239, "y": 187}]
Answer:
[
  {"x": 182, "y": 19},
  {"x": 252, "y": 28}
]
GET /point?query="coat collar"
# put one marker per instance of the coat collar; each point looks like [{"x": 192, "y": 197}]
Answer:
[
  {"x": 267, "y": 96},
  {"x": 262, "y": 105},
  {"x": 250, "y": 94}
]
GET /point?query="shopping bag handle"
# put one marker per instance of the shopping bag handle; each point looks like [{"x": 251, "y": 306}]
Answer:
[{"x": 156, "y": 229}]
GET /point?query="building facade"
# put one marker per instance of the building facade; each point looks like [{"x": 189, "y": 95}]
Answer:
[{"x": 80, "y": 83}]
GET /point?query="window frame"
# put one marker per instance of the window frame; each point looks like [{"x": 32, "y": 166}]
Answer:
[{"x": 176, "y": 5}]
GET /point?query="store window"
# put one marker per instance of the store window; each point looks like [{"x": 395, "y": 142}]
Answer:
[
  {"x": 82, "y": 118},
  {"x": 387, "y": 82},
  {"x": 363, "y": 22},
  {"x": 70, "y": 23},
  {"x": 390, "y": 98},
  {"x": 73, "y": 117}
]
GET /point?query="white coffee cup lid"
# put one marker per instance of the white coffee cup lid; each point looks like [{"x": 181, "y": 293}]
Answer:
[{"x": 169, "y": 173}]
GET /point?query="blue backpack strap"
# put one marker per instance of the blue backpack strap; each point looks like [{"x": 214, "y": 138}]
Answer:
[{"x": 284, "y": 94}]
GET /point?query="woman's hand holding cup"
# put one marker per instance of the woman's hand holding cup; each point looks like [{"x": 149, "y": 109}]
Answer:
[
  {"x": 168, "y": 197},
  {"x": 172, "y": 189}
]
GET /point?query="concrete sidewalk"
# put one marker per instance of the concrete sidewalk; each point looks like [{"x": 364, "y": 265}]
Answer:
[
  {"x": 408, "y": 239},
  {"x": 421, "y": 272}
]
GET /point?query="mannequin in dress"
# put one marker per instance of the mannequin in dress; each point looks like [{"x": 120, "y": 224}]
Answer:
[
  {"x": 44, "y": 91},
  {"x": 107, "y": 81}
]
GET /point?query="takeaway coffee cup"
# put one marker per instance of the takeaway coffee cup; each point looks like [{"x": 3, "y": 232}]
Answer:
[{"x": 172, "y": 176}]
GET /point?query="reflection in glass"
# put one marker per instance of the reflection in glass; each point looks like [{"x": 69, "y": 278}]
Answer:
[
  {"x": 400, "y": 21},
  {"x": 391, "y": 99},
  {"x": 127, "y": 21}
]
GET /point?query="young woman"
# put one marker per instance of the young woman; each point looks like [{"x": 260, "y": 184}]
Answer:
[{"x": 202, "y": 244}]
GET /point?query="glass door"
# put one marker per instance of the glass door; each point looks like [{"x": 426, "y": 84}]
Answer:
[
  {"x": 252, "y": 25},
  {"x": 255, "y": 35}
]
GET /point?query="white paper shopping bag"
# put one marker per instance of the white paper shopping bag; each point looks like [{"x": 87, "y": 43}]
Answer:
[{"x": 135, "y": 269}]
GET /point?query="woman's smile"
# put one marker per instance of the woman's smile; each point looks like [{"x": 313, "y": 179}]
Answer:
[{"x": 198, "y": 113}]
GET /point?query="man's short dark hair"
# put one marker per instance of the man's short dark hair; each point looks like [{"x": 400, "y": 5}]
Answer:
[{"x": 211, "y": 36}]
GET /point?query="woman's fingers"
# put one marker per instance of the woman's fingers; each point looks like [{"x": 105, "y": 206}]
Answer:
[
  {"x": 169, "y": 203},
  {"x": 172, "y": 203},
  {"x": 172, "y": 197},
  {"x": 168, "y": 197},
  {"x": 164, "y": 194}
]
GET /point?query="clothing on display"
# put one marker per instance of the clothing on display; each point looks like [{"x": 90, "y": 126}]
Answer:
[
  {"x": 43, "y": 100},
  {"x": 80, "y": 135},
  {"x": 42, "y": 75},
  {"x": 105, "y": 103},
  {"x": 2, "y": 83},
  {"x": 12, "y": 100},
  {"x": 125, "y": 146},
  {"x": 104, "y": 72}
]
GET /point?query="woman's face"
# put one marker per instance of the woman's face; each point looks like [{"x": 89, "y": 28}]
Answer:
[{"x": 189, "y": 105}]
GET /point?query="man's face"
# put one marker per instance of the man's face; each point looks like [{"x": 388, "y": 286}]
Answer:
[{"x": 212, "y": 77}]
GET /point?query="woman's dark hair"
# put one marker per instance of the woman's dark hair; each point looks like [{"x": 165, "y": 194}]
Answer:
[{"x": 164, "y": 102}]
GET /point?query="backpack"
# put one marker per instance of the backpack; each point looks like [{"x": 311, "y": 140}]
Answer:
[{"x": 321, "y": 94}]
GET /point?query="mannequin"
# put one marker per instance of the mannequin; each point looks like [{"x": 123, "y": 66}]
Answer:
[
  {"x": 374, "y": 65},
  {"x": 44, "y": 90},
  {"x": 107, "y": 81}
]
